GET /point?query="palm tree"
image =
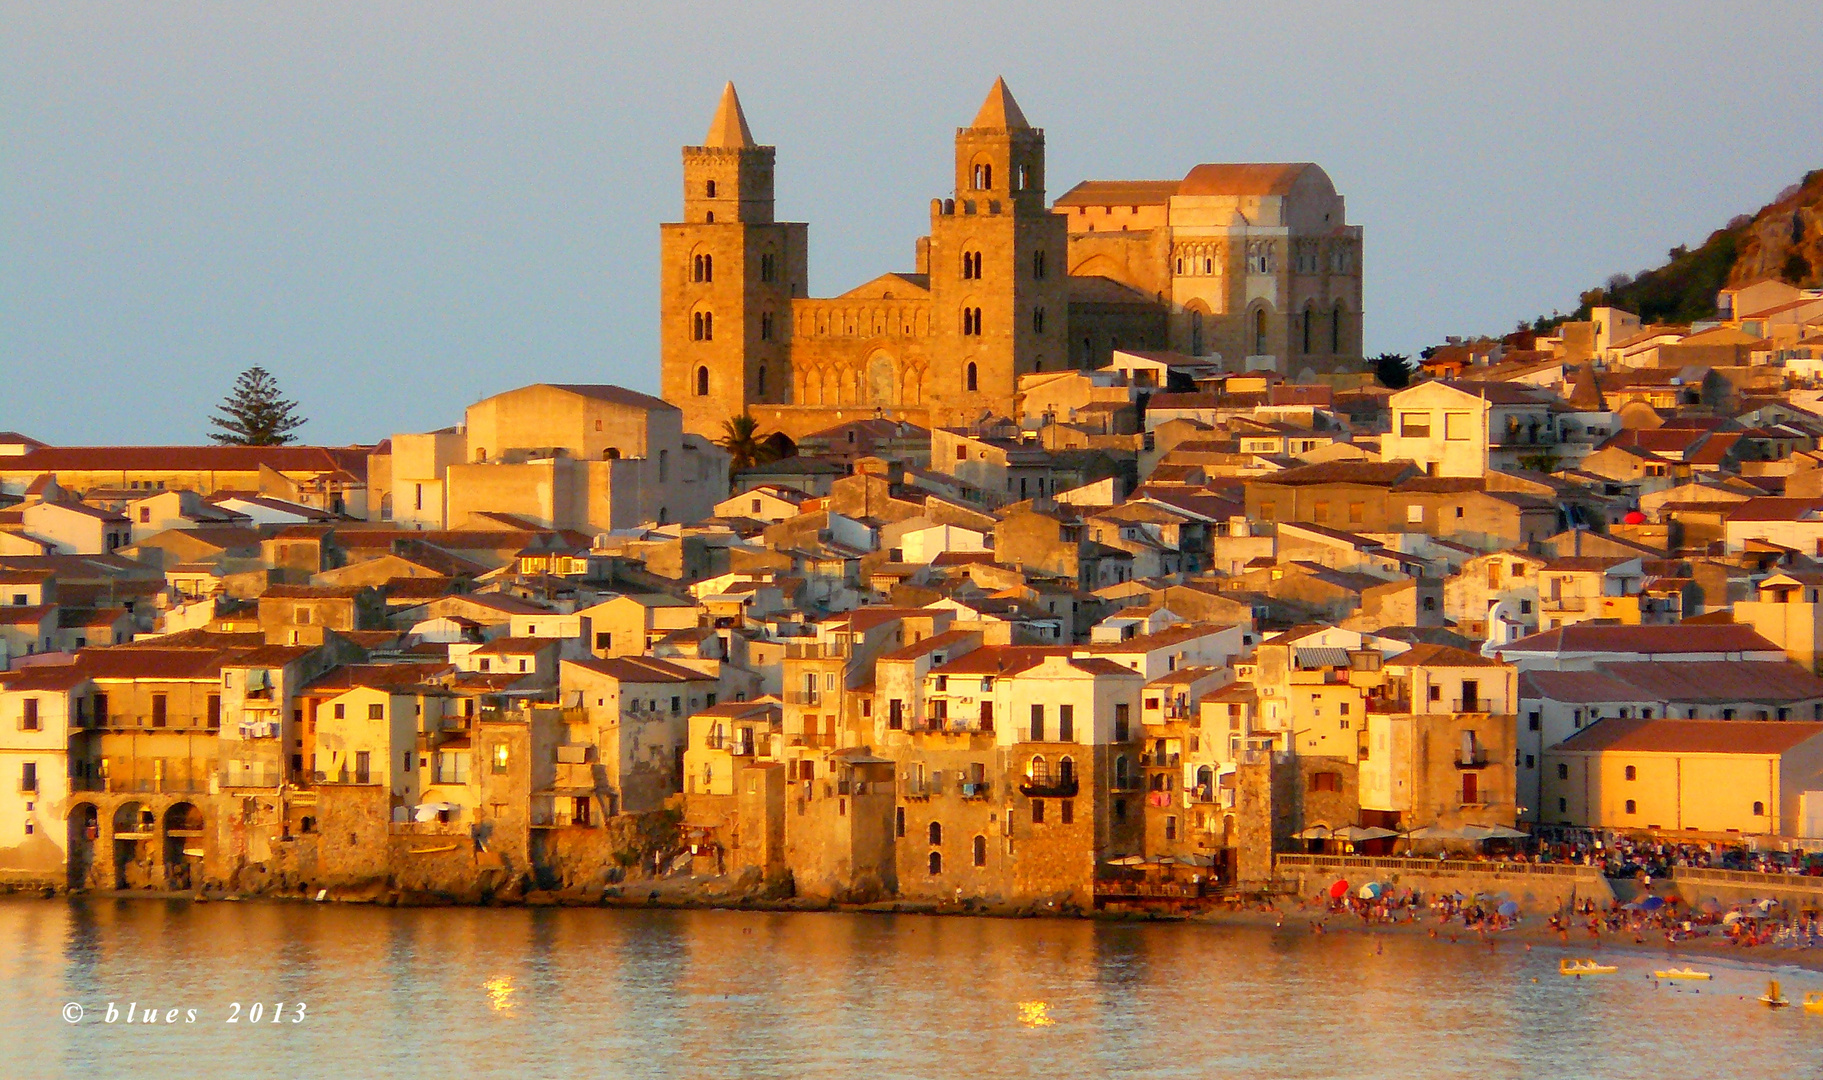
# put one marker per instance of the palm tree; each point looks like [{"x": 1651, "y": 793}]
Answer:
[{"x": 746, "y": 447}]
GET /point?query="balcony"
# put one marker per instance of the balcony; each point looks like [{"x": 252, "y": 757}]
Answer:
[
  {"x": 1477, "y": 760},
  {"x": 1180, "y": 711},
  {"x": 1159, "y": 761},
  {"x": 1048, "y": 735},
  {"x": 1565, "y": 603},
  {"x": 818, "y": 650},
  {"x": 976, "y": 789},
  {"x": 810, "y": 739},
  {"x": 1062, "y": 787},
  {"x": 916, "y": 787},
  {"x": 803, "y": 697}
]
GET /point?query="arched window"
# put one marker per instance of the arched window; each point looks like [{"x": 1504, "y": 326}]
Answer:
[
  {"x": 1196, "y": 332},
  {"x": 1038, "y": 264},
  {"x": 980, "y": 851},
  {"x": 1310, "y": 316},
  {"x": 612, "y": 453},
  {"x": 1632, "y": 807},
  {"x": 702, "y": 382},
  {"x": 1205, "y": 780},
  {"x": 1123, "y": 771},
  {"x": 983, "y": 177},
  {"x": 1632, "y": 773},
  {"x": 1335, "y": 330},
  {"x": 936, "y": 834},
  {"x": 709, "y": 217},
  {"x": 708, "y": 268},
  {"x": 1259, "y": 331},
  {"x": 971, "y": 265},
  {"x": 1066, "y": 771},
  {"x": 1180, "y": 265},
  {"x": 702, "y": 326},
  {"x": 1041, "y": 772},
  {"x": 1037, "y": 320},
  {"x": 1759, "y": 809},
  {"x": 664, "y": 465},
  {"x": 1022, "y": 177},
  {"x": 709, "y": 189},
  {"x": 970, "y": 377},
  {"x": 759, "y": 377},
  {"x": 936, "y": 863},
  {"x": 664, "y": 516}
]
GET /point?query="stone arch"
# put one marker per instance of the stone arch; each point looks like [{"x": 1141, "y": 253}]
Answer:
[
  {"x": 1259, "y": 328},
  {"x": 882, "y": 380},
  {"x": 702, "y": 380},
  {"x": 1197, "y": 316},
  {"x": 84, "y": 834},
  {"x": 1096, "y": 266},
  {"x": 1308, "y": 329},
  {"x": 184, "y": 830},
  {"x": 135, "y": 835},
  {"x": 1338, "y": 319},
  {"x": 913, "y": 393}
]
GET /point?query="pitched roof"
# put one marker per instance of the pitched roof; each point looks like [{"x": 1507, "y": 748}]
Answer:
[
  {"x": 641, "y": 669},
  {"x": 1119, "y": 193},
  {"x": 1677, "y": 638},
  {"x": 1245, "y": 179},
  {"x": 729, "y": 128},
  {"x": 1693, "y": 736},
  {"x": 999, "y": 112},
  {"x": 617, "y": 395},
  {"x": 1443, "y": 656},
  {"x": 351, "y": 461}
]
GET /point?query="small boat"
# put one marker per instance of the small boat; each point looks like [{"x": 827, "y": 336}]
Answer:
[
  {"x": 1813, "y": 1001},
  {"x": 1773, "y": 998},
  {"x": 1584, "y": 966},
  {"x": 438, "y": 850},
  {"x": 1690, "y": 974}
]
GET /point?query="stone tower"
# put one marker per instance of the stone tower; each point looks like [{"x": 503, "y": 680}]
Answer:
[
  {"x": 727, "y": 275},
  {"x": 998, "y": 277}
]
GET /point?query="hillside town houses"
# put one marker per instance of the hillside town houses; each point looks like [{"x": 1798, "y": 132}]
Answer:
[{"x": 1166, "y": 616}]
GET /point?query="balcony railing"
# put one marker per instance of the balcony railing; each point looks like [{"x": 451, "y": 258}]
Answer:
[
  {"x": 803, "y": 697},
  {"x": 1049, "y": 734},
  {"x": 1159, "y": 761},
  {"x": 1477, "y": 760},
  {"x": 1565, "y": 603},
  {"x": 976, "y": 789},
  {"x": 1056, "y": 787}
]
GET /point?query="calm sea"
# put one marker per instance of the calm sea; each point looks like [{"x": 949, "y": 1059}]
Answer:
[{"x": 456, "y": 993}]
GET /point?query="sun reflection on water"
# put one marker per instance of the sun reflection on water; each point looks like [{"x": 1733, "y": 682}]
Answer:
[
  {"x": 1035, "y": 1014},
  {"x": 500, "y": 991}
]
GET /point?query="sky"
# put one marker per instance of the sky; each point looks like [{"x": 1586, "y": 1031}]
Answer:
[{"x": 399, "y": 209}]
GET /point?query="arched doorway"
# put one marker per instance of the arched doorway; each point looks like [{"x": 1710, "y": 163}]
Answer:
[
  {"x": 84, "y": 834},
  {"x": 184, "y": 832},
  {"x": 134, "y": 829},
  {"x": 882, "y": 381}
]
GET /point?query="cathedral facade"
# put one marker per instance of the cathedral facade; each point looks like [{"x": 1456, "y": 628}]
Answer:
[{"x": 1254, "y": 264}]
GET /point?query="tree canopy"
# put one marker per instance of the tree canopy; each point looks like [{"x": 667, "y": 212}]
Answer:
[{"x": 255, "y": 413}]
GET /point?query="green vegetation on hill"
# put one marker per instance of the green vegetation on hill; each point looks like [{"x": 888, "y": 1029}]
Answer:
[{"x": 1784, "y": 240}]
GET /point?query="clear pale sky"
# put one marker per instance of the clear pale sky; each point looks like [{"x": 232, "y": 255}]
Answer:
[{"x": 401, "y": 208}]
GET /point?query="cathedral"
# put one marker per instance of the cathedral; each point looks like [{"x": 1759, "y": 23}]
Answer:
[{"x": 1252, "y": 265}]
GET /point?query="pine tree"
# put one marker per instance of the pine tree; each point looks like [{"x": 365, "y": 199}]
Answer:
[{"x": 255, "y": 414}]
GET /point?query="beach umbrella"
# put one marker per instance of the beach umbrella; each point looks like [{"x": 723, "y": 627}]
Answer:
[
  {"x": 1338, "y": 890},
  {"x": 1371, "y": 891},
  {"x": 1732, "y": 917},
  {"x": 1509, "y": 909},
  {"x": 1652, "y": 903},
  {"x": 1315, "y": 832},
  {"x": 1127, "y": 860},
  {"x": 1356, "y": 834}
]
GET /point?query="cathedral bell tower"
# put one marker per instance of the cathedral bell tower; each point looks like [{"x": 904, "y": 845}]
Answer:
[
  {"x": 999, "y": 286},
  {"x": 727, "y": 276}
]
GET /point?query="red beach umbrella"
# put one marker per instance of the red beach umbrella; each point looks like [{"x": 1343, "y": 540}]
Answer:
[{"x": 1339, "y": 889}]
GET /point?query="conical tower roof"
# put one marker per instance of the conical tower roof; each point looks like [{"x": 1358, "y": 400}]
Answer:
[
  {"x": 1585, "y": 392},
  {"x": 1000, "y": 111},
  {"x": 729, "y": 128}
]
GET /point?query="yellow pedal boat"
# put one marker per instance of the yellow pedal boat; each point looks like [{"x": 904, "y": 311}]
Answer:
[
  {"x": 1773, "y": 998},
  {"x": 1584, "y": 966},
  {"x": 1683, "y": 973},
  {"x": 1813, "y": 1002}
]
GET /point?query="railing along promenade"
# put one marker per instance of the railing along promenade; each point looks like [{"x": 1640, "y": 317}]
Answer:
[{"x": 1434, "y": 866}]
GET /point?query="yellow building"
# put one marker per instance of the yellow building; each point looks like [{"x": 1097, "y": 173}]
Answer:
[
  {"x": 1749, "y": 777},
  {"x": 1252, "y": 262}
]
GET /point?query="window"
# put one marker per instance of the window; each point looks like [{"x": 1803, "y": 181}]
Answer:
[
  {"x": 1335, "y": 329},
  {"x": 1532, "y": 721},
  {"x": 971, "y": 265},
  {"x": 1038, "y": 811},
  {"x": 1456, "y": 426},
  {"x": 709, "y": 189},
  {"x": 768, "y": 267},
  {"x": 376, "y": 711},
  {"x": 1320, "y": 510},
  {"x": 363, "y": 762},
  {"x": 1326, "y": 781},
  {"x": 451, "y": 767},
  {"x": 213, "y": 717},
  {"x": 899, "y": 821},
  {"x": 971, "y": 322},
  {"x": 936, "y": 834},
  {"x": 1632, "y": 773},
  {"x": 1563, "y": 806},
  {"x": 1121, "y": 721},
  {"x": 702, "y": 382},
  {"x": 1471, "y": 788},
  {"x": 29, "y": 721},
  {"x": 1576, "y": 718},
  {"x": 159, "y": 713},
  {"x": 1357, "y": 513},
  {"x": 28, "y": 777},
  {"x": 1066, "y": 723},
  {"x": 1759, "y": 809},
  {"x": 1066, "y": 811},
  {"x": 702, "y": 268},
  {"x": 703, "y": 327},
  {"x": 1038, "y": 265},
  {"x": 1632, "y": 807},
  {"x": 983, "y": 177},
  {"x": 971, "y": 382},
  {"x": 936, "y": 863},
  {"x": 1037, "y": 320},
  {"x": 501, "y": 756},
  {"x": 341, "y": 711},
  {"x": 980, "y": 846},
  {"x": 1171, "y": 827},
  {"x": 1415, "y": 425}
]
